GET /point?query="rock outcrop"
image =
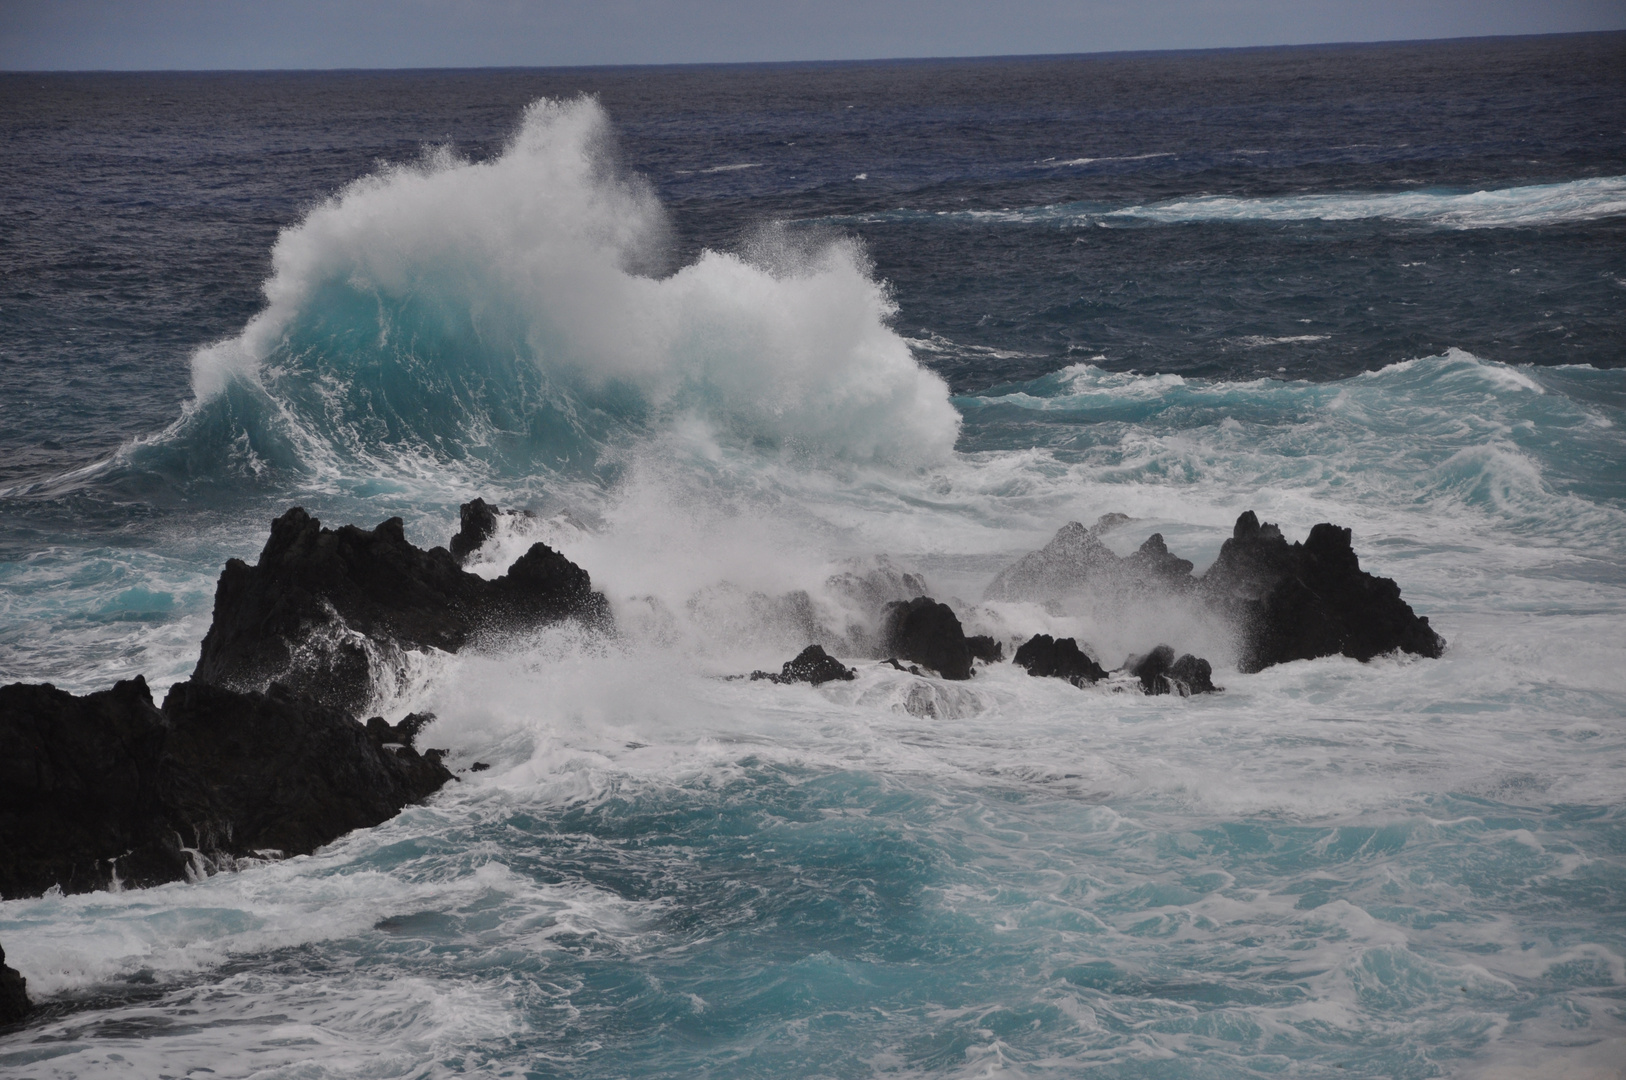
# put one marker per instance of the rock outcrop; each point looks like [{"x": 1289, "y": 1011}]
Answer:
[
  {"x": 983, "y": 647},
  {"x": 1044, "y": 656},
  {"x": 1160, "y": 672},
  {"x": 477, "y": 523},
  {"x": 1303, "y": 600},
  {"x": 811, "y": 665},
  {"x": 327, "y": 612},
  {"x": 927, "y": 633},
  {"x": 108, "y": 787},
  {"x": 1287, "y": 601},
  {"x": 14, "y": 1004},
  {"x": 1074, "y": 558}
]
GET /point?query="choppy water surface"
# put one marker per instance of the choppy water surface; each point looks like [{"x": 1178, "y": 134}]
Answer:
[{"x": 727, "y": 336}]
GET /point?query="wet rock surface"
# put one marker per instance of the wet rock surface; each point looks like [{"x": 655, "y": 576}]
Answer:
[
  {"x": 108, "y": 787},
  {"x": 1160, "y": 672},
  {"x": 1044, "y": 656},
  {"x": 477, "y": 523},
  {"x": 929, "y": 634},
  {"x": 811, "y": 665},
  {"x": 1304, "y": 600},
  {"x": 983, "y": 647},
  {"x": 14, "y": 1004},
  {"x": 1286, "y": 601},
  {"x": 327, "y": 611}
]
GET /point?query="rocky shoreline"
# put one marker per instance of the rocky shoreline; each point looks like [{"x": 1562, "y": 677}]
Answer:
[{"x": 262, "y": 753}]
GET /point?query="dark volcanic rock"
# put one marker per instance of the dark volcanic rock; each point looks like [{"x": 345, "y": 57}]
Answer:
[
  {"x": 1304, "y": 600},
  {"x": 325, "y": 611},
  {"x": 983, "y": 647},
  {"x": 107, "y": 787},
  {"x": 812, "y": 665},
  {"x": 404, "y": 733},
  {"x": 1160, "y": 673},
  {"x": 79, "y": 787},
  {"x": 1043, "y": 655},
  {"x": 13, "y": 993},
  {"x": 477, "y": 524},
  {"x": 274, "y": 772},
  {"x": 928, "y": 633}
]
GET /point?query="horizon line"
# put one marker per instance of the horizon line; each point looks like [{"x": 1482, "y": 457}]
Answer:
[{"x": 827, "y": 62}]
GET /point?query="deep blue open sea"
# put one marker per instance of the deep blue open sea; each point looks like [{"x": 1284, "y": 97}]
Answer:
[{"x": 731, "y": 331}]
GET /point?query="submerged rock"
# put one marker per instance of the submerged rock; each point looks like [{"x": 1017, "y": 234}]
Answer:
[
  {"x": 811, "y": 665},
  {"x": 108, "y": 788},
  {"x": 928, "y": 633},
  {"x": 1303, "y": 600},
  {"x": 1043, "y": 655},
  {"x": 325, "y": 611},
  {"x": 14, "y": 1004},
  {"x": 1160, "y": 673}
]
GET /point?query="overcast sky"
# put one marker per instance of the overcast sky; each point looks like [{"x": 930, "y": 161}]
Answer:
[{"x": 215, "y": 34}]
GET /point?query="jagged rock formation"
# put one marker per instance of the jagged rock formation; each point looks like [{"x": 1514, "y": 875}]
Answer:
[
  {"x": 109, "y": 787},
  {"x": 1160, "y": 673},
  {"x": 14, "y": 1004},
  {"x": 1067, "y": 564},
  {"x": 1287, "y": 601},
  {"x": 1303, "y": 600},
  {"x": 477, "y": 523},
  {"x": 327, "y": 611},
  {"x": 1043, "y": 655},
  {"x": 811, "y": 665},
  {"x": 983, "y": 647},
  {"x": 928, "y": 633}
]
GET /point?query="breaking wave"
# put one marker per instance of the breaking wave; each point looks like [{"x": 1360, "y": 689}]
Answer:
[{"x": 505, "y": 314}]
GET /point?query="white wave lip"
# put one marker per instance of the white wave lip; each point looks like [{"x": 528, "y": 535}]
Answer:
[
  {"x": 1527, "y": 206},
  {"x": 1513, "y": 207},
  {"x": 538, "y": 251}
]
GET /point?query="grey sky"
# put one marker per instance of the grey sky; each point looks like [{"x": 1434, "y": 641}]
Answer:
[{"x": 170, "y": 34}]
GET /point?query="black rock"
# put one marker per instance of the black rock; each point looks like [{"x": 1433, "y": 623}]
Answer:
[
  {"x": 477, "y": 524},
  {"x": 1043, "y": 655},
  {"x": 983, "y": 647},
  {"x": 328, "y": 611},
  {"x": 812, "y": 665},
  {"x": 404, "y": 733},
  {"x": 80, "y": 786},
  {"x": 1160, "y": 673},
  {"x": 14, "y": 1004},
  {"x": 1304, "y": 600},
  {"x": 106, "y": 787},
  {"x": 928, "y": 633}
]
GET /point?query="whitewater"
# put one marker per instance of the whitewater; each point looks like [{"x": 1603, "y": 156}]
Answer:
[{"x": 1407, "y": 867}]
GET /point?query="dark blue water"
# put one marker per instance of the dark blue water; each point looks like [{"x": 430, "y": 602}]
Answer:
[{"x": 727, "y": 330}]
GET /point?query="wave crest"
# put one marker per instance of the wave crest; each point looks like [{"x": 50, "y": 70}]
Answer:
[{"x": 500, "y": 313}]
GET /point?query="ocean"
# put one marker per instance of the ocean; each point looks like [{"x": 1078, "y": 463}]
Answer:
[{"x": 729, "y": 332}]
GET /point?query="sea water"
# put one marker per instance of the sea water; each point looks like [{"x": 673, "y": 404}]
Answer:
[{"x": 726, "y": 333}]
